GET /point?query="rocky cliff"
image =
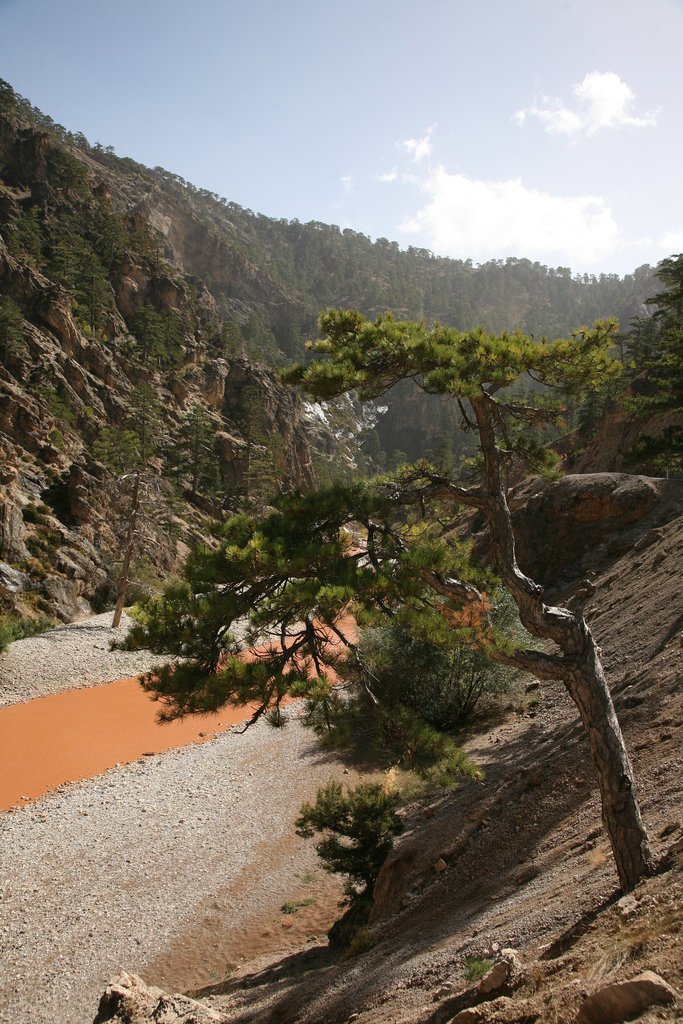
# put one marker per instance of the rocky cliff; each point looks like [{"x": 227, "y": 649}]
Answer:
[{"x": 74, "y": 353}]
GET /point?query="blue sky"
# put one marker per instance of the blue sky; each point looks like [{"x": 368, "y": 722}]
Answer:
[{"x": 547, "y": 129}]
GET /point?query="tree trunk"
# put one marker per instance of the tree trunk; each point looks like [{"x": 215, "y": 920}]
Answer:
[
  {"x": 578, "y": 666},
  {"x": 123, "y": 582},
  {"x": 588, "y": 688}
]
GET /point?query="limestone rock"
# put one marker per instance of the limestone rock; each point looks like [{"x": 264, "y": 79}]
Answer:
[
  {"x": 127, "y": 1000},
  {"x": 506, "y": 972},
  {"x": 391, "y": 883},
  {"x": 12, "y": 547},
  {"x": 625, "y": 999},
  {"x": 13, "y": 580},
  {"x": 595, "y": 517}
]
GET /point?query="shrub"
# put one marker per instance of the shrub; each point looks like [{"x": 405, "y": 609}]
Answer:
[
  {"x": 476, "y": 968},
  {"x": 358, "y": 830},
  {"x": 362, "y": 942},
  {"x": 406, "y": 696},
  {"x": 13, "y": 627},
  {"x": 446, "y": 688},
  {"x": 30, "y": 513}
]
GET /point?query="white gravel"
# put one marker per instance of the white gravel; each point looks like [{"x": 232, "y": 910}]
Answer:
[
  {"x": 73, "y": 655},
  {"x": 102, "y": 874}
]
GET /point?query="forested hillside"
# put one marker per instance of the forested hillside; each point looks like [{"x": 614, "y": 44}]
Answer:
[
  {"x": 317, "y": 265},
  {"x": 141, "y": 318}
]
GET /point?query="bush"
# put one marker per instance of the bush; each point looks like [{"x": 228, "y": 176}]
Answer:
[
  {"x": 407, "y": 695},
  {"x": 445, "y": 688},
  {"x": 13, "y": 627},
  {"x": 476, "y": 968},
  {"x": 358, "y": 830}
]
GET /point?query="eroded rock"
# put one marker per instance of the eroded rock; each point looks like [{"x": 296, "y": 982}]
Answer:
[
  {"x": 128, "y": 1000},
  {"x": 625, "y": 999}
]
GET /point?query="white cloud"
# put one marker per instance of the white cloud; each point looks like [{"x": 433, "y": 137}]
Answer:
[
  {"x": 419, "y": 149},
  {"x": 602, "y": 101},
  {"x": 486, "y": 219},
  {"x": 347, "y": 182},
  {"x": 389, "y": 176},
  {"x": 672, "y": 241}
]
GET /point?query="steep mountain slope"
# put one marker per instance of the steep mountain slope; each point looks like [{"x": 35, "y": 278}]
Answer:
[
  {"x": 72, "y": 368},
  {"x": 131, "y": 301}
]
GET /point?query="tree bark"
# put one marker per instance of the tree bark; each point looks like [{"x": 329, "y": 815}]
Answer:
[
  {"x": 588, "y": 688},
  {"x": 123, "y": 582},
  {"x": 578, "y": 666}
]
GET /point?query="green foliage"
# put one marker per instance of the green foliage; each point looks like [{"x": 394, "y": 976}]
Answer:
[
  {"x": 17, "y": 627},
  {"x": 476, "y": 968},
  {"x": 73, "y": 261},
  {"x": 373, "y": 356},
  {"x": 328, "y": 266},
  {"x": 327, "y": 712},
  {"x": 663, "y": 360},
  {"x": 191, "y": 455},
  {"x": 67, "y": 172},
  {"x": 358, "y": 830},
  {"x": 118, "y": 448},
  {"x": 8, "y": 99},
  {"x": 59, "y": 405},
  {"x": 222, "y": 340},
  {"x": 110, "y": 238},
  {"x": 56, "y": 438},
  {"x": 263, "y": 456},
  {"x": 381, "y": 549},
  {"x": 25, "y": 237},
  {"x": 361, "y": 942},
  {"x": 444, "y": 687},
  {"x": 260, "y": 340},
  {"x": 159, "y": 338},
  {"x": 293, "y": 908}
]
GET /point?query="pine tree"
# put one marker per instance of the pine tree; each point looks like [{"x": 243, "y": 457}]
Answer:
[
  {"x": 664, "y": 364},
  {"x": 192, "y": 455},
  {"x": 263, "y": 451},
  {"x": 297, "y": 570},
  {"x": 127, "y": 452}
]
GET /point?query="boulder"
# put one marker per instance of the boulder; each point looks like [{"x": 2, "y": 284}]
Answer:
[
  {"x": 127, "y": 1000},
  {"x": 390, "y": 886},
  {"x": 625, "y": 999},
  {"x": 506, "y": 973}
]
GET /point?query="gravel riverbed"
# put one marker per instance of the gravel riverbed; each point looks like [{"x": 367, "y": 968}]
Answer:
[
  {"x": 73, "y": 655},
  {"x": 102, "y": 875}
]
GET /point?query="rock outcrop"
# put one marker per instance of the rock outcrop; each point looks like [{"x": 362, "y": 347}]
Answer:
[
  {"x": 577, "y": 525},
  {"x": 127, "y": 1000},
  {"x": 67, "y": 375}
]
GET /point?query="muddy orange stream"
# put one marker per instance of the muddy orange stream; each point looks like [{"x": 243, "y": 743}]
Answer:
[{"x": 80, "y": 733}]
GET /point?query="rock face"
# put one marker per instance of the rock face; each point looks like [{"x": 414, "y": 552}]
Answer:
[
  {"x": 66, "y": 374},
  {"x": 618, "y": 431},
  {"x": 127, "y": 1000},
  {"x": 580, "y": 523}
]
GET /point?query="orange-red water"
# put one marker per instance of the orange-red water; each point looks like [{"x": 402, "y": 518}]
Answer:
[{"x": 80, "y": 733}]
